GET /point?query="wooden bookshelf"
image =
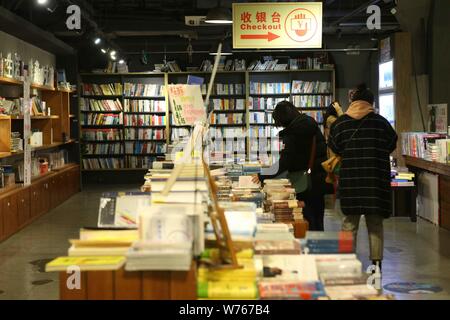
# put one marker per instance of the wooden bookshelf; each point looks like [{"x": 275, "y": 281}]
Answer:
[
  {"x": 10, "y": 81},
  {"x": 42, "y": 87}
]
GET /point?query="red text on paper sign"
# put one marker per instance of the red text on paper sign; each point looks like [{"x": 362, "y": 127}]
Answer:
[
  {"x": 176, "y": 91},
  {"x": 248, "y": 23}
]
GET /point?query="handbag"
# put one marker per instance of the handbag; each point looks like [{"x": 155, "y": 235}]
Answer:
[
  {"x": 333, "y": 164},
  {"x": 301, "y": 180}
]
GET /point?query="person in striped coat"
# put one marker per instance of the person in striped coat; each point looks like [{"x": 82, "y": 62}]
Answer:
[{"x": 365, "y": 141}]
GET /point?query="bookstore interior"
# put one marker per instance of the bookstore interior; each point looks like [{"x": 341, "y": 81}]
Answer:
[{"x": 224, "y": 150}]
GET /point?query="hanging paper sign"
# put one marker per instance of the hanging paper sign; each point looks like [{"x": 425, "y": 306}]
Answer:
[
  {"x": 277, "y": 25},
  {"x": 187, "y": 104}
]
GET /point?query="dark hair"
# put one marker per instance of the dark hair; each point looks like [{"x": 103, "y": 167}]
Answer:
[
  {"x": 363, "y": 93},
  {"x": 284, "y": 113}
]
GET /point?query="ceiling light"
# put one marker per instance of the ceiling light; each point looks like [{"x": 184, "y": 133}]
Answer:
[
  {"x": 121, "y": 61},
  {"x": 97, "y": 41},
  {"x": 104, "y": 50},
  {"x": 42, "y": 2},
  {"x": 219, "y": 15}
]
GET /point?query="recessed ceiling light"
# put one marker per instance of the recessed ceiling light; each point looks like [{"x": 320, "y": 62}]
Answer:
[
  {"x": 42, "y": 2},
  {"x": 104, "y": 50},
  {"x": 97, "y": 41}
]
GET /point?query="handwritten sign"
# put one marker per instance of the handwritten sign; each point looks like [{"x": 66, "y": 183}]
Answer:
[
  {"x": 277, "y": 25},
  {"x": 187, "y": 104}
]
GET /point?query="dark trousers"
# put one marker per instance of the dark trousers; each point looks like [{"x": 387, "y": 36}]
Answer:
[{"x": 314, "y": 210}]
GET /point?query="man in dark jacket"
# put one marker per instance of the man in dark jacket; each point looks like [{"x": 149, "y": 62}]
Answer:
[
  {"x": 297, "y": 136},
  {"x": 365, "y": 141}
]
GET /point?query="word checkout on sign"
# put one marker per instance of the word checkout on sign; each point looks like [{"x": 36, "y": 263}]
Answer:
[{"x": 277, "y": 25}]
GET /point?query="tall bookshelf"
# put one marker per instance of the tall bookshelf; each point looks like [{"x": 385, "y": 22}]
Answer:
[{"x": 241, "y": 113}]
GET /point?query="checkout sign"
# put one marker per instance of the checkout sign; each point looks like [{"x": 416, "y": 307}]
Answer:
[{"x": 277, "y": 25}]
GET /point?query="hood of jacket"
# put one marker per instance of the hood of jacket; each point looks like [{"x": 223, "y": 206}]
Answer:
[{"x": 359, "y": 109}]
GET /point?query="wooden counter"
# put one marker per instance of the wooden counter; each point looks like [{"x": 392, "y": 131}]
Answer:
[
  {"x": 443, "y": 171},
  {"x": 139, "y": 285}
]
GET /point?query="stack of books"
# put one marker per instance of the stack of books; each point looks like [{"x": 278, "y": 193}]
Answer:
[
  {"x": 402, "y": 178},
  {"x": 98, "y": 242},
  {"x": 16, "y": 142},
  {"x": 274, "y": 232},
  {"x": 290, "y": 277},
  {"x": 329, "y": 242},
  {"x": 227, "y": 284},
  {"x": 158, "y": 256},
  {"x": 241, "y": 220},
  {"x": 287, "y": 211}
]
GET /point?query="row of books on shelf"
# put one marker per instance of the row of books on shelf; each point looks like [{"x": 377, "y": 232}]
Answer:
[
  {"x": 238, "y": 146},
  {"x": 230, "y": 118},
  {"x": 145, "y": 134},
  {"x": 219, "y": 133},
  {"x": 264, "y": 103},
  {"x": 144, "y": 147},
  {"x": 311, "y": 101},
  {"x": 224, "y": 65},
  {"x": 135, "y": 162},
  {"x": 100, "y": 105},
  {"x": 144, "y": 120},
  {"x": 263, "y": 131},
  {"x": 101, "y": 135},
  {"x": 272, "y": 145},
  {"x": 103, "y": 148},
  {"x": 99, "y": 119},
  {"x": 270, "y": 88},
  {"x": 145, "y": 106},
  {"x": 109, "y": 89},
  {"x": 103, "y": 163},
  {"x": 316, "y": 115},
  {"x": 429, "y": 146},
  {"x": 144, "y": 90},
  {"x": 225, "y": 89},
  {"x": 299, "y": 87},
  {"x": 228, "y": 104},
  {"x": 179, "y": 133},
  {"x": 38, "y": 107},
  {"x": 260, "y": 117},
  {"x": 267, "y": 65}
]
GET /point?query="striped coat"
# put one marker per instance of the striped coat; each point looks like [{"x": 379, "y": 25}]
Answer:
[{"x": 364, "y": 182}]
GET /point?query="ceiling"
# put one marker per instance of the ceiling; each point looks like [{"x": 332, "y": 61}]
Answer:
[{"x": 135, "y": 25}]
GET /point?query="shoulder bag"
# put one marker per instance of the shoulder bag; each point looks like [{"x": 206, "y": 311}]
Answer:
[{"x": 301, "y": 180}]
